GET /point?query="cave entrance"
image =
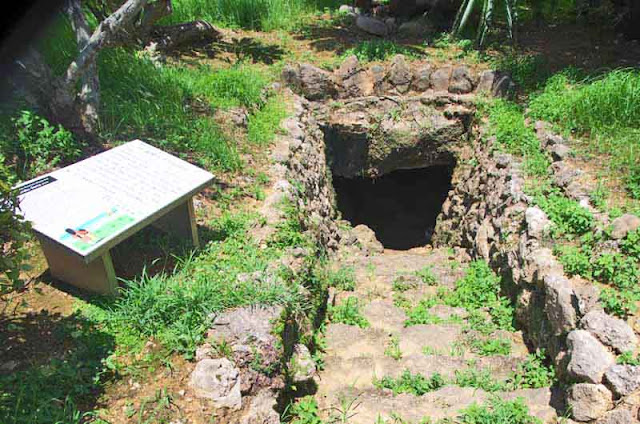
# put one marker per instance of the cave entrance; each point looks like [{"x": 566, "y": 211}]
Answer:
[{"x": 401, "y": 207}]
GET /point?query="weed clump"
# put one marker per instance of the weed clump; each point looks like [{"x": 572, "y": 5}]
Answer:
[
  {"x": 498, "y": 411},
  {"x": 416, "y": 384},
  {"x": 348, "y": 312},
  {"x": 377, "y": 50}
]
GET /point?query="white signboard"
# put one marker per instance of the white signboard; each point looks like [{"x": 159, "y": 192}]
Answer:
[{"x": 88, "y": 204}]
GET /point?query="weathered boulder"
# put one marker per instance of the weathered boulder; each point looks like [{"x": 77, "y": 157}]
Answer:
[
  {"x": 440, "y": 79},
  {"x": 347, "y": 10},
  {"x": 303, "y": 366},
  {"x": 537, "y": 222},
  {"x": 560, "y": 152},
  {"x": 611, "y": 331},
  {"x": 617, "y": 416},
  {"x": 262, "y": 409},
  {"x": 421, "y": 78},
  {"x": 355, "y": 81},
  {"x": 623, "y": 225},
  {"x": 564, "y": 174},
  {"x": 367, "y": 239},
  {"x": 589, "y": 401},
  {"x": 246, "y": 325},
  {"x": 417, "y": 27},
  {"x": 461, "y": 80},
  {"x": 496, "y": 83},
  {"x": 312, "y": 82},
  {"x": 559, "y": 304},
  {"x": 589, "y": 359},
  {"x": 372, "y": 25},
  {"x": 217, "y": 380},
  {"x": 623, "y": 379},
  {"x": 400, "y": 75}
]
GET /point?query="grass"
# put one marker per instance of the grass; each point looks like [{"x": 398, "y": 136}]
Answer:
[
  {"x": 348, "y": 312},
  {"x": 415, "y": 384},
  {"x": 249, "y": 14},
  {"x": 507, "y": 124},
  {"x": 50, "y": 392},
  {"x": 343, "y": 278},
  {"x": 605, "y": 111},
  {"x": 176, "y": 310},
  {"x": 172, "y": 106}
]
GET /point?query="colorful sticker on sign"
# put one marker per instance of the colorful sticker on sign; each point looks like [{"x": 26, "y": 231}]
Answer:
[{"x": 106, "y": 224}]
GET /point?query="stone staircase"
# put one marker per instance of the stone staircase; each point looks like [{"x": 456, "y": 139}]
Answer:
[{"x": 355, "y": 357}]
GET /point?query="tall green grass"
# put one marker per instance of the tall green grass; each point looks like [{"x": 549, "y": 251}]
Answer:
[
  {"x": 172, "y": 106},
  {"x": 177, "y": 309},
  {"x": 250, "y": 14},
  {"x": 605, "y": 110}
]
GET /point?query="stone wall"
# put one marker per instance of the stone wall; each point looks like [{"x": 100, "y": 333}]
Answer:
[
  {"x": 307, "y": 170},
  {"x": 489, "y": 213}
]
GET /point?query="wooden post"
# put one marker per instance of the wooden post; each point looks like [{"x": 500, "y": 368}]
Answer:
[
  {"x": 181, "y": 221},
  {"x": 97, "y": 276}
]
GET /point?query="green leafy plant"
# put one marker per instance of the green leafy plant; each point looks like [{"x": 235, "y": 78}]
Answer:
[
  {"x": 567, "y": 214},
  {"x": 37, "y": 146},
  {"x": 575, "y": 260},
  {"x": 490, "y": 346},
  {"x": 507, "y": 124},
  {"x": 621, "y": 303},
  {"x": 304, "y": 411},
  {"x": 627, "y": 358},
  {"x": 533, "y": 373},
  {"x": 480, "y": 379},
  {"x": 348, "y": 312},
  {"x": 480, "y": 289},
  {"x": 499, "y": 411},
  {"x": 617, "y": 269},
  {"x": 420, "y": 314},
  {"x": 415, "y": 384},
  {"x": 13, "y": 236},
  {"x": 630, "y": 245}
]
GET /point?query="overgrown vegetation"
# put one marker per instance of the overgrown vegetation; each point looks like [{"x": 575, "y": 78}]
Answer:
[
  {"x": 176, "y": 309},
  {"x": 604, "y": 110},
  {"x": 249, "y": 14}
]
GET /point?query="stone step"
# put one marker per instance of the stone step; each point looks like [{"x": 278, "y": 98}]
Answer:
[
  {"x": 366, "y": 406},
  {"x": 361, "y": 371}
]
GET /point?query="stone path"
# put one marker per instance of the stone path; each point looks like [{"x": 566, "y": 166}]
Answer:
[{"x": 356, "y": 357}]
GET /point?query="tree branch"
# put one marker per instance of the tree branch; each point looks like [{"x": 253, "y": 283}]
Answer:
[{"x": 101, "y": 36}]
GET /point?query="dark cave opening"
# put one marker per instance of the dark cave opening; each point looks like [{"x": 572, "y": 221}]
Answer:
[{"x": 400, "y": 207}]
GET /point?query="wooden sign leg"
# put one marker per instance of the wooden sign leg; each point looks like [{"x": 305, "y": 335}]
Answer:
[
  {"x": 181, "y": 221},
  {"x": 97, "y": 276}
]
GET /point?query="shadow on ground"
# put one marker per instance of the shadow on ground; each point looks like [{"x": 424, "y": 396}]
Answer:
[{"x": 50, "y": 366}]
